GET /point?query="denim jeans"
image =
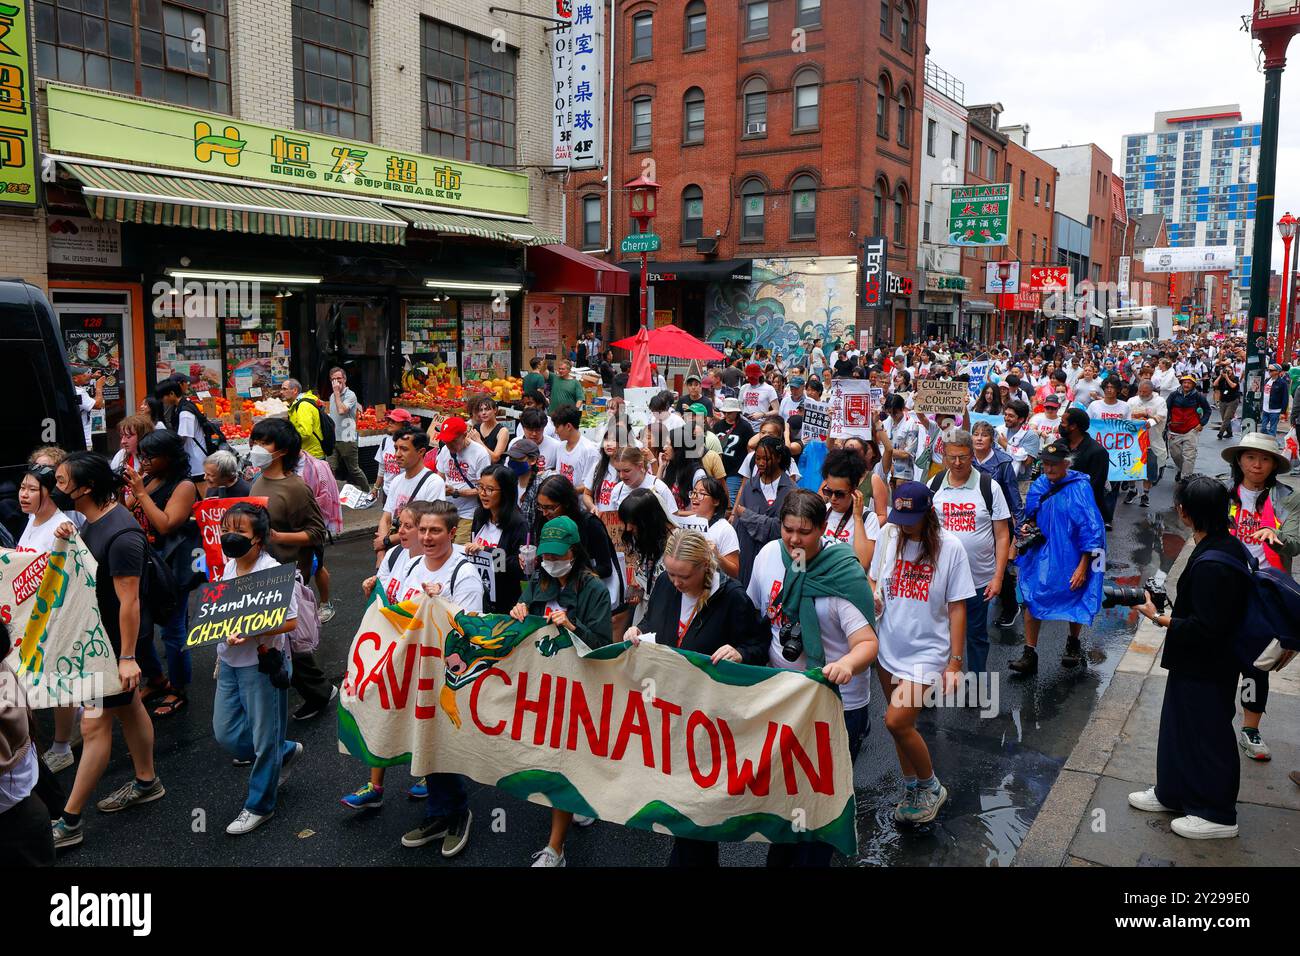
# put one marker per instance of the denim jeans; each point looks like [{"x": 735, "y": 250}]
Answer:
[
  {"x": 179, "y": 671},
  {"x": 977, "y": 632},
  {"x": 250, "y": 719},
  {"x": 733, "y": 487},
  {"x": 1268, "y": 422},
  {"x": 447, "y": 795}
]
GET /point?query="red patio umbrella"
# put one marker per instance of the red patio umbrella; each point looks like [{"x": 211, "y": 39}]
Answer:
[
  {"x": 673, "y": 342},
  {"x": 639, "y": 345}
]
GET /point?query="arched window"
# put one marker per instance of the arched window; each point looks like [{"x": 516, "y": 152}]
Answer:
[
  {"x": 807, "y": 100},
  {"x": 752, "y": 216},
  {"x": 692, "y": 213},
  {"x": 755, "y": 95},
  {"x": 905, "y": 19},
  {"x": 878, "y": 208},
  {"x": 696, "y": 25},
  {"x": 884, "y": 90},
  {"x": 693, "y": 116},
  {"x": 904, "y": 116},
  {"x": 803, "y": 207},
  {"x": 642, "y": 36},
  {"x": 900, "y": 215}
]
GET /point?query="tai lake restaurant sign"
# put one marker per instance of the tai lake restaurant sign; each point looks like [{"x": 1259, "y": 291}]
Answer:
[
  {"x": 979, "y": 215},
  {"x": 97, "y": 124}
]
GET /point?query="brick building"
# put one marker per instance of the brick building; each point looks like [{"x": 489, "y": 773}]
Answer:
[{"x": 781, "y": 133}]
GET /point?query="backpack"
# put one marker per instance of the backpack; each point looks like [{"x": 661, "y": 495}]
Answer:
[
  {"x": 326, "y": 425},
  {"x": 986, "y": 487},
  {"x": 1270, "y": 621},
  {"x": 306, "y": 635},
  {"x": 158, "y": 592},
  {"x": 213, "y": 438}
]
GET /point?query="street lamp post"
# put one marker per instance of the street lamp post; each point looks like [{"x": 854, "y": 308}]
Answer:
[
  {"x": 1273, "y": 23},
  {"x": 642, "y": 193},
  {"x": 1004, "y": 273},
  {"x": 1285, "y": 333}
]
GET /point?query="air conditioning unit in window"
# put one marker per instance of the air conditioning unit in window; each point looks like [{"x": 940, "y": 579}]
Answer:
[
  {"x": 706, "y": 246},
  {"x": 752, "y": 128}
]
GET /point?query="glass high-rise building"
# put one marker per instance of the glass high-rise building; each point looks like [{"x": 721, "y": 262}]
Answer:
[{"x": 1199, "y": 168}]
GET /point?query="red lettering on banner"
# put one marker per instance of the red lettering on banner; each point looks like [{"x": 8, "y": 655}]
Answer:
[
  {"x": 823, "y": 778},
  {"x": 425, "y": 685},
  {"x": 702, "y": 780},
  {"x": 400, "y": 688},
  {"x": 537, "y": 707},
  {"x": 557, "y": 713},
  {"x": 500, "y": 725},
  {"x": 959, "y": 516},
  {"x": 6, "y": 614},
  {"x": 597, "y": 743},
  {"x": 636, "y": 722},
  {"x": 759, "y": 779},
  {"x": 359, "y": 679},
  {"x": 667, "y": 710}
]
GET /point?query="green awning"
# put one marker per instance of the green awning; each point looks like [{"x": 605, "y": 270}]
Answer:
[
  {"x": 161, "y": 200},
  {"x": 497, "y": 230}
]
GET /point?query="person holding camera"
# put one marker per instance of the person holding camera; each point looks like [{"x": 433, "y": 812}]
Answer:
[
  {"x": 1229, "y": 388},
  {"x": 1061, "y": 545},
  {"x": 250, "y": 711},
  {"x": 820, "y": 610}
]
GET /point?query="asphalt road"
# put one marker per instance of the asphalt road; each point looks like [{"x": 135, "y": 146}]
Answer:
[{"x": 998, "y": 768}]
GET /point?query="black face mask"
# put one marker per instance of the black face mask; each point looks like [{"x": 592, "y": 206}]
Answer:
[
  {"x": 234, "y": 545},
  {"x": 62, "y": 500}
]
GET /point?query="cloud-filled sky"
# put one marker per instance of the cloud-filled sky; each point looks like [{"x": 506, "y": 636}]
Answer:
[{"x": 1090, "y": 72}]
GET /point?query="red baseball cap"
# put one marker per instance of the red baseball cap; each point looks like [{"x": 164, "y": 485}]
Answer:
[
  {"x": 452, "y": 429},
  {"x": 399, "y": 415}
]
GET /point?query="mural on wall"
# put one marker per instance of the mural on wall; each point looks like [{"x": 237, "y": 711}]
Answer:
[{"x": 787, "y": 301}]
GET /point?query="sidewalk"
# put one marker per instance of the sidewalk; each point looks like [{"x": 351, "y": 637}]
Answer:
[{"x": 1086, "y": 819}]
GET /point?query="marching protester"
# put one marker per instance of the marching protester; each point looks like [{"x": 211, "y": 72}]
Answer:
[
  {"x": 415, "y": 482},
  {"x": 523, "y": 458},
  {"x": 1059, "y": 543},
  {"x": 250, "y": 713},
  {"x": 646, "y": 527},
  {"x": 734, "y": 431},
  {"x": 633, "y": 468},
  {"x": 1147, "y": 406},
  {"x": 305, "y": 416},
  {"x": 754, "y": 512},
  {"x": 25, "y": 835},
  {"x": 848, "y": 519},
  {"x": 388, "y": 466},
  {"x": 130, "y": 430},
  {"x": 569, "y": 595},
  {"x": 222, "y": 474},
  {"x": 1086, "y": 456},
  {"x": 1189, "y": 411},
  {"x": 461, "y": 462},
  {"x": 709, "y": 517},
  {"x": 487, "y": 432},
  {"x": 499, "y": 530},
  {"x": 577, "y": 455},
  {"x": 557, "y": 497}
]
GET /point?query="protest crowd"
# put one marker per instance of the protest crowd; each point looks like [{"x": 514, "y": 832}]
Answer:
[{"x": 872, "y": 513}]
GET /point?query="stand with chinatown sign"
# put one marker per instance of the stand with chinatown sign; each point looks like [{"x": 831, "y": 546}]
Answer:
[{"x": 577, "y": 74}]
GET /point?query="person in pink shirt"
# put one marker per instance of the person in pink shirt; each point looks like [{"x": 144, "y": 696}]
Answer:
[{"x": 317, "y": 475}]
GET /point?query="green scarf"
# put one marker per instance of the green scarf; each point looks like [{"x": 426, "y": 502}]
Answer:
[{"x": 834, "y": 572}]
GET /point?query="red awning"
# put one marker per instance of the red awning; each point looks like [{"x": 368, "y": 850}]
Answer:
[{"x": 570, "y": 272}]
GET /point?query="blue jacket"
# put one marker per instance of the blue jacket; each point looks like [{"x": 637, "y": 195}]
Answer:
[
  {"x": 1072, "y": 524},
  {"x": 1002, "y": 469}
]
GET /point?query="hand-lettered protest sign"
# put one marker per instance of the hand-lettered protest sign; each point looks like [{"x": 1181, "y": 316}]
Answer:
[
  {"x": 208, "y": 514},
  {"x": 850, "y": 402},
  {"x": 979, "y": 373},
  {"x": 936, "y": 397},
  {"x": 733, "y": 753},
  {"x": 816, "y": 420},
  {"x": 1126, "y": 441},
  {"x": 245, "y": 606}
]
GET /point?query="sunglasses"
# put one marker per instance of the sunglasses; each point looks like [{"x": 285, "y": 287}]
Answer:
[{"x": 835, "y": 493}]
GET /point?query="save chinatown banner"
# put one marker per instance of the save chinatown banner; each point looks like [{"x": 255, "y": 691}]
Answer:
[
  {"x": 1127, "y": 441},
  {"x": 61, "y": 651},
  {"x": 642, "y": 735}
]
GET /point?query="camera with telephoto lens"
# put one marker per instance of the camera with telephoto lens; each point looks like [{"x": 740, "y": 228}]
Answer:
[
  {"x": 1029, "y": 536},
  {"x": 1115, "y": 596},
  {"x": 270, "y": 661},
  {"x": 791, "y": 637}
]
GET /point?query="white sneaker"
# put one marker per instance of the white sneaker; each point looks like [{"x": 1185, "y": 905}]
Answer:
[
  {"x": 1146, "y": 800},
  {"x": 548, "y": 857},
  {"x": 292, "y": 756},
  {"x": 247, "y": 822},
  {"x": 58, "y": 761},
  {"x": 1248, "y": 739},
  {"x": 1194, "y": 828},
  {"x": 326, "y": 612},
  {"x": 580, "y": 821}
]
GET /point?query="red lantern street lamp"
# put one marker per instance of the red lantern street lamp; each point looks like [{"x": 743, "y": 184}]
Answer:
[
  {"x": 1004, "y": 273},
  {"x": 641, "y": 195},
  {"x": 1286, "y": 227}
]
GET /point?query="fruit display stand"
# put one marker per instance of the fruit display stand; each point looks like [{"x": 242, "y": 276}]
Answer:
[{"x": 236, "y": 417}]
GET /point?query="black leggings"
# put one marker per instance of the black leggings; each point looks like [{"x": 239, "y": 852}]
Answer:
[
  {"x": 1254, "y": 686},
  {"x": 25, "y": 836}
]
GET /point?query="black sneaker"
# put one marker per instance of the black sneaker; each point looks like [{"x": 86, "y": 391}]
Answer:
[
  {"x": 1073, "y": 655},
  {"x": 1145, "y": 502},
  {"x": 1005, "y": 621},
  {"x": 1108, "y": 526},
  {"x": 457, "y": 834},
  {"x": 1178, "y": 476},
  {"x": 1132, "y": 494},
  {"x": 433, "y": 828},
  {"x": 312, "y": 708},
  {"x": 1028, "y": 662}
]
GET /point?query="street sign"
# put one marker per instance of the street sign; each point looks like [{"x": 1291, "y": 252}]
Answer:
[
  {"x": 640, "y": 242},
  {"x": 979, "y": 215}
]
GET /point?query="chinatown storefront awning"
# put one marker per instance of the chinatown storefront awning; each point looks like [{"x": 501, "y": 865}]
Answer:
[
  {"x": 978, "y": 305},
  {"x": 560, "y": 269},
  {"x": 455, "y": 224},
  {"x": 155, "y": 198},
  {"x": 697, "y": 270}
]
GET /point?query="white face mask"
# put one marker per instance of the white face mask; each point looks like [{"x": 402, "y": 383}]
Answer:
[
  {"x": 557, "y": 569},
  {"x": 259, "y": 457}
]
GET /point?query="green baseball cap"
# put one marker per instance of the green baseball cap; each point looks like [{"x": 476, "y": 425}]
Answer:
[
  {"x": 558, "y": 536},
  {"x": 698, "y": 409}
]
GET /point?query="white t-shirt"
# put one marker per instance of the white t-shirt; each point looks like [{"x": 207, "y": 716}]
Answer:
[
  {"x": 187, "y": 426},
  {"x": 1085, "y": 390},
  {"x": 389, "y": 467},
  {"x": 471, "y": 462},
  {"x": 790, "y": 406},
  {"x": 86, "y": 403},
  {"x": 41, "y": 537},
  {"x": 747, "y": 468},
  {"x": 392, "y": 571},
  {"x": 404, "y": 490},
  {"x": 489, "y": 536},
  {"x": 913, "y": 627},
  {"x": 468, "y": 590},
  {"x": 1108, "y": 413},
  {"x": 1248, "y": 522},
  {"x": 119, "y": 459},
  {"x": 721, "y": 532},
  {"x": 837, "y": 617},
  {"x": 548, "y": 452},
  {"x": 844, "y": 533},
  {"x": 578, "y": 464},
  {"x": 662, "y": 491},
  {"x": 604, "y": 495},
  {"x": 756, "y": 400},
  {"x": 1022, "y": 446},
  {"x": 1158, "y": 409},
  {"x": 1047, "y": 428},
  {"x": 245, "y": 655},
  {"x": 962, "y": 512}
]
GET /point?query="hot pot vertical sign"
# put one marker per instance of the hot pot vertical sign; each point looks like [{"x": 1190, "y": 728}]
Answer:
[{"x": 874, "y": 253}]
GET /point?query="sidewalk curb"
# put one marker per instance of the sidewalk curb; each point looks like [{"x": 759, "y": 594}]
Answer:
[{"x": 1048, "y": 841}]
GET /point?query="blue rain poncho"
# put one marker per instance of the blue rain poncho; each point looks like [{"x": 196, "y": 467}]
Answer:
[{"x": 1072, "y": 524}]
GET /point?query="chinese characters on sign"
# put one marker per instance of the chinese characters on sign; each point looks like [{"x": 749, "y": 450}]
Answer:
[
  {"x": 979, "y": 215},
  {"x": 941, "y": 282},
  {"x": 577, "y": 71},
  {"x": 874, "y": 252},
  {"x": 1049, "y": 277},
  {"x": 18, "y": 140}
]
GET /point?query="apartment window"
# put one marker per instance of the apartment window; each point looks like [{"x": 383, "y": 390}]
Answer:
[
  {"x": 641, "y": 123},
  {"x": 900, "y": 216},
  {"x": 1033, "y": 248},
  {"x": 692, "y": 213},
  {"x": 886, "y": 18},
  {"x": 472, "y": 120},
  {"x": 92, "y": 44},
  {"x": 904, "y": 116},
  {"x": 931, "y": 131},
  {"x": 1022, "y": 184},
  {"x": 756, "y": 20},
  {"x": 803, "y": 208},
  {"x": 696, "y": 25},
  {"x": 1048, "y": 199},
  {"x": 905, "y": 27},
  {"x": 976, "y": 156},
  {"x": 993, "y": 163},
  {"x": 1037, "y": 183},
  {"x": 591, "y": 222},
  {"x": 925, "y": 224},
  {"x": 1006, "y": 170},
  {"x": 756, "y": 107},
  {"x": 1020, "y": 240},
  {"x": 751, "y": 210},
  {"x": 954, "y": 150},
  {"x": 643, "y": 28},
  {"x": 807, "y": 99},
  {"x": 883, "y": 90},
  {"x": 331, "y": 67},
  {"x": 693, "y": 116},
  {"x": 809, "y": 13},
  {"x": 878, "y": 210}
]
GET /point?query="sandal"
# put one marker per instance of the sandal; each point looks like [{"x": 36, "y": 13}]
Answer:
[
  {"x": 151, "y": 693},
  {"x": 169, "y": 704}
]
